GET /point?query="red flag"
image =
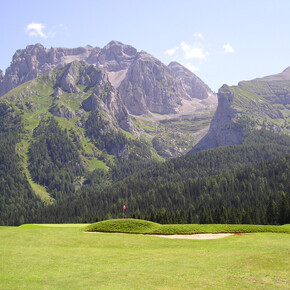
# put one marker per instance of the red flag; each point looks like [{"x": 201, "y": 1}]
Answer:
[{"x": 124, "y": 207}]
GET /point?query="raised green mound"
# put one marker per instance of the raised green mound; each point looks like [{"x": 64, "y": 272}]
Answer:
[
  {"x": 124, "y": 226},
  {"x": 219, "y": 228},
  {"x": 145, "y": 227}
]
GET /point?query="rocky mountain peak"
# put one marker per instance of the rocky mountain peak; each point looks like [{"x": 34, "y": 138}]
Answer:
[
  {"x": 143, "y": 82},
  {"x": 30, "y": 49},
  {"x": 116, "y": 56},
  {"x": 192, "y": 84},
  {"x": 35, "y": 60},
  {"x": 121, "y": 48},
  {"x": 149, "y": 86}
]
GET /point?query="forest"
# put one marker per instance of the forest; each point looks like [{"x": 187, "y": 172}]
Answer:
[
  {"x": 54, "y": 160},
  {"x": 247, "y": 183},
  {"x": 17, "y": 199},
  {"x": 256, "y": 194}
]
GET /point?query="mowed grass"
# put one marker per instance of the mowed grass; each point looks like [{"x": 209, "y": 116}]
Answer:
[
  {"x": 147, "y": 227},
  {"x": 64, "y": 256}
]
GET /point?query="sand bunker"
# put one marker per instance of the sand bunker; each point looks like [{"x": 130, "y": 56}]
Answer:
[
  {"x": 188, "y": 237},
  {"x": 195, "y": 236}
]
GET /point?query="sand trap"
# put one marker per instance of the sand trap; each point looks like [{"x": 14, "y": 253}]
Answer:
[
  {"x": 195, "y": 236},
  {"x": 188, "y": 237}
]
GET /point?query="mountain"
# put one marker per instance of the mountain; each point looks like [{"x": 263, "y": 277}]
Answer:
[
  {"x": 256, "y": 104},
  {"x": 145, "y": 84},
  {"x": 35, "y": 60},
  {"x": 77, "y": 124},
  {"x": 169, "y": 106},
  {"x": 86, "y": 130}
]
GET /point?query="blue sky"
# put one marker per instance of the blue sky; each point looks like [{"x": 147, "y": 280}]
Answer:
[{"x": 223, "y": 41}]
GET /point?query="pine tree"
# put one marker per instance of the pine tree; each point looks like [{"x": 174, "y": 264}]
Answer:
[
  {"x": 283, "y": 210},
  {"x": 271, "y": 211}
]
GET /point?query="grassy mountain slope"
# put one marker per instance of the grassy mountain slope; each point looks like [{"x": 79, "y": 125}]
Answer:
[{"x": 252, "y": 105}]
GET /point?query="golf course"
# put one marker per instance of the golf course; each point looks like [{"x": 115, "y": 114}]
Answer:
[{"x": 103, "y": 256}]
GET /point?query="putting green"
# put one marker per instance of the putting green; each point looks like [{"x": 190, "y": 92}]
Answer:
[{"x": 61, "y": 257}]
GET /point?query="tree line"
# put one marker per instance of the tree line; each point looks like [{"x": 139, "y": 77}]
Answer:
[{"x": 239, "y": 196}]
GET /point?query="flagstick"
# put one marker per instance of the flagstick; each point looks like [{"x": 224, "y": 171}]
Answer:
[{"x": 124, "y": 208}]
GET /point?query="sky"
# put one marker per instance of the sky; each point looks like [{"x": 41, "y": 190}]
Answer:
[{"x": 224, "y": 41}]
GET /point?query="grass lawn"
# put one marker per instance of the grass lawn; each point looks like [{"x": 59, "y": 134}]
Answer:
[{"x": 63, "y": 257}]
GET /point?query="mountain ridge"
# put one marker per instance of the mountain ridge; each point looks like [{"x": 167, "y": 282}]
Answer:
[
  {"x": 259, "y": 103},
  {"x": 131, "y": 72}
]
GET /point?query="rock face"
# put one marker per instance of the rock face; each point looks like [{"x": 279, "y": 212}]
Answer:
[
  {"x": 35, "y": 60},
  {"x": 150, "y": 87},
  {"x": 223, "y": 130},
  {"x": 104, "y": 96},
  {"x": 260, "y": 103},
  {"x": 61, "y": 111},
  {"x": 142, "y": 82},
  {"x": 192, "y": 84},
  {"x": 116, "y": 56},
  {"x": 1, "y": 76}
]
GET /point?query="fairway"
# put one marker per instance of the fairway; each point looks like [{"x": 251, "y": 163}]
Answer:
[{"x": 63, "y": 256}]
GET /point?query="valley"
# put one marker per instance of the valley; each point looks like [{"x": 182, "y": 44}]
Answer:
[
  {"x": 145, "y": 145},
  {"x": 94, "y": 128}
]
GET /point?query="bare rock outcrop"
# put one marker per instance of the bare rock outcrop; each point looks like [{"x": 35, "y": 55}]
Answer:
[
  {"x": 104, "y": 96},
  {"x": 252, "y": 105},
  {"x": 35, "y": 60},
  {"x": 223, "y": 129},
  {"x": 1, "y": 76},
  {"x": 62, "y": 111},
  {"x": 193, "y": 85},
  {"x": 116, "y": 56},
  {"x": 150, "y": 87}
]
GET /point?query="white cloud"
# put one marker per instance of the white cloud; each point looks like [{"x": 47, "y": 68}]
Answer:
[
  {"x": 171, "y": 51},
  {"x": 191, "y": 67},
  {"x": 199, "y": 35},
  {"x": 35, "y": 29},
  {"x": 193, "y": 51},
  {"x": 228, "y": 48}
]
